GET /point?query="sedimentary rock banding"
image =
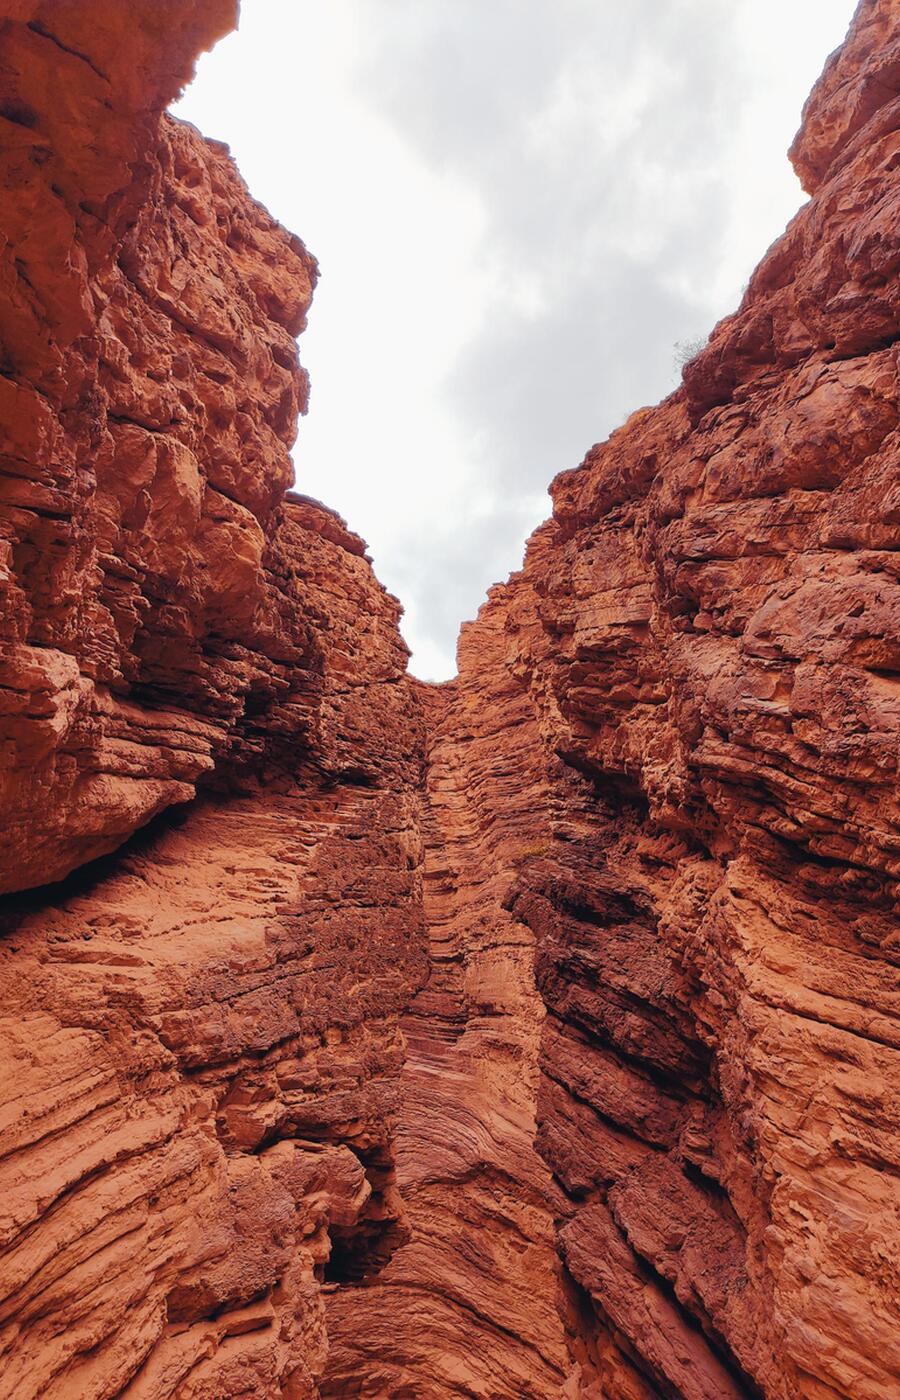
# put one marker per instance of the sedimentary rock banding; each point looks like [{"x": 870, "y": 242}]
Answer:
[{"x": 534, "y": 1035}]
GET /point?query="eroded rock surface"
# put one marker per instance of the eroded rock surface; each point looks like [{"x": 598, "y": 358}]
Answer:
[
  {"x": 530, "y": 1036},
  {"x": 150, "y": 392},
  {"x": 199, "y": 1037}
]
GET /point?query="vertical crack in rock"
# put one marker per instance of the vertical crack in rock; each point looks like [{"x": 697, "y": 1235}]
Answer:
[
  {"x": 470, "y": 1305},
  {"x": 535, "y": 1035}
]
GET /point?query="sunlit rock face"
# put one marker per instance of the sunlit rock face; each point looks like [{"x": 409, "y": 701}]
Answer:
[{"x": 533, "y": 1035}]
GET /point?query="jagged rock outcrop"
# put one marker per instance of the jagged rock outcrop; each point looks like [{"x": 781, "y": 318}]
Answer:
[
  {"x": 664, "y": 811},
  {"x": 150, "y": 392},
  {"x": 199, "y": 1038},
  {"x": 530, "y": 1036}
]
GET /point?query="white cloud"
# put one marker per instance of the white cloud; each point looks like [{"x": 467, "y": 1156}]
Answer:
[{"x": 519, "y": 206}]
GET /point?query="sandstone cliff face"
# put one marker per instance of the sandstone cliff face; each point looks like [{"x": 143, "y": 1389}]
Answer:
[
  {"x": 199, "y": 1038},
  {"x": 663, "y": 795},
  {"x": 150, "y": 393},
  {"x": 534, "y": 1035}
]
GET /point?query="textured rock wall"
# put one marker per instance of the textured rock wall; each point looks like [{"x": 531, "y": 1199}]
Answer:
[
  {"x": 530, "y": 1036},
  {"x": 199, "y": 1036},
  {"x": 661, "y": 879},
  {"x": 201, "y": 1049},
  {"x": 150, "y": 392}
]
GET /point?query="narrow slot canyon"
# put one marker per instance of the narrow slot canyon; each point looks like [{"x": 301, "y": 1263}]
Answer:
[{"x": 529, "y": 1036}]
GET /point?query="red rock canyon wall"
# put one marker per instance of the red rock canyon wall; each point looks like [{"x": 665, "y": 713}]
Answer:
[{"x": 529, "y": 1036}]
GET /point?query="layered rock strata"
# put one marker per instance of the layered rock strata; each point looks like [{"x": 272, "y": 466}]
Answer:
[
  {"x": 530, "y": 1036},
  {"x": 199, "y": 1037},
  {"x": 666, "y": 790},
  {"x": 150, "y": 392}
]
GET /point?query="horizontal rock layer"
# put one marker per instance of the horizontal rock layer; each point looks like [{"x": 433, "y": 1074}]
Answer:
[
  {"x": 199, "y": 1037},
  {"x": 530, "y": 1036}
]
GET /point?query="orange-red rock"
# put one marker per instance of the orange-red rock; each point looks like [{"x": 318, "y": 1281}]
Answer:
[
  {"x": 530, "y": 1036},
  {"x": 150, "y": 391}
]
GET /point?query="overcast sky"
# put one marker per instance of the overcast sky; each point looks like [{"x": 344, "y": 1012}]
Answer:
[{"x": 519, "y": 207}]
